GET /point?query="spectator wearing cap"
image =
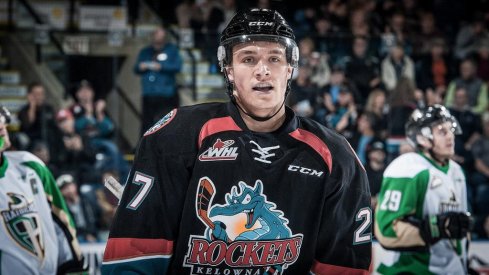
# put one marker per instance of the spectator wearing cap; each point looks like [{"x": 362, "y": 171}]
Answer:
[
  {"x": 78, "y": 156},
  {"x": 375, "y": 166},
  {"x": 84, "y": 213},
  {"x": 344, "y": 118}
]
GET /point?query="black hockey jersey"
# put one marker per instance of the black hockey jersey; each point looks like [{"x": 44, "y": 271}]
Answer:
[{"x": 208, "y": 196}]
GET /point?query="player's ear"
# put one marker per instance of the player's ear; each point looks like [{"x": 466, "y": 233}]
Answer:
[
  {"x": 290, "y": 69},
  {"x": 423, "y": 141},
  {"x": 230, "y": 72}
]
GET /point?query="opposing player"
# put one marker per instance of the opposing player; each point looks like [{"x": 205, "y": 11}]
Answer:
[
  {"x": 37, "y": 235},
  {"x": 422, "y": 211},
  {"x": 246, "y": 186}
]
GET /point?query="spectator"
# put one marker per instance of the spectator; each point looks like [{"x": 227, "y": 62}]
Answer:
[
  {"x": 402, "y": 102},
  {"x": 375, "y": 166},
  {"x": 376, "y": 104},
  {"x": 92, "y": 122},
  {"x": 480, "y": 179},
  {"x": 303, "y": 99},
  {"x": 395, "y": 66},
  {"x": 344, "y": 118},
  {"x": 323, "y": 35},
  {"x": 482, "y": 60},
  {"x": 317, "y": 62},
  {"x": 470, "y": 36},
  {"x": 475, "y": 87},
  {"x": 422, "y": 39},
  {"x": 471, "y": 125},
  {"x": 361, "y": 69},
  {"x": 364, "y": 134},
  {"x": 84, "y": 213},
  {"x": 37, "y": 118},
  {"x": 434, "y": 69},
  {"x": 330, "y": 94},
  {"x": 78, "y": 156},
  {"x": 158, "y": 65}
]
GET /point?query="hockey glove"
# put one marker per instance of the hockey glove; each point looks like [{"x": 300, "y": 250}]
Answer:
[{"x": 450, "y": 225}]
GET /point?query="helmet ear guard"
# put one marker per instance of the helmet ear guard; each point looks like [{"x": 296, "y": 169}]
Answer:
[{"x": 421, "y": 122}]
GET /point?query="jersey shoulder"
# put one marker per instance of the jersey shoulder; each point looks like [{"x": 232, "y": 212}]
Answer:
[
  {"x": 407, "y": 165},
  {"x": 339, "y": 148},
  {"x": 19, "y": 157}
]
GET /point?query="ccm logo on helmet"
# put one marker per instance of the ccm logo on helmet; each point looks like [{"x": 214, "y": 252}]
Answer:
[
  {"x": 261, "y": 23},
  {"x": 304, "y": 170}
]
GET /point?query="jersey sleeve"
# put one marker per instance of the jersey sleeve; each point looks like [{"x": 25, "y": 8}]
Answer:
[
  {"x": 399, "y": 198},
  {"x": 345, "y": 235},
  {"x": 146, "y": 223},
  {"x": 69, "y": 259}
]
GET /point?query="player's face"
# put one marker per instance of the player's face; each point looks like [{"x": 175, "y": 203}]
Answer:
[
  {"x": 443, "y": 140},
  {"x": 4, "y": 135},
  {"x": 259, "y": 72}
]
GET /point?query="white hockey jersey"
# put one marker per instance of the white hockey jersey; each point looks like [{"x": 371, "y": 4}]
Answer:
[{"x": 37, "y": 235}]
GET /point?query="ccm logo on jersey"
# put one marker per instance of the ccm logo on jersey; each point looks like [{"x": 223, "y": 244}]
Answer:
[
  {"x": 304, "y": 170},
  {"x": 221, "y": 150},
  {"x": 261, "y": 24}
]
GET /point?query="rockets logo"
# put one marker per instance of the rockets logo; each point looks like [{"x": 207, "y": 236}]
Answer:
[
  {"x": 221, "y": 150},
  {"x": 246, "y": 235}
]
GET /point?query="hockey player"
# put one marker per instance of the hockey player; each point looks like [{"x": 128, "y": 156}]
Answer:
[
  {"x": 37, "y": 235},
  {"x": 244, "y": 187},
  {"x": 422, "y": 211}
]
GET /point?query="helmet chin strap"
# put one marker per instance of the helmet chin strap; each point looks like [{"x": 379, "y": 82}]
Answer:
[{"x": 257, "y": 118}]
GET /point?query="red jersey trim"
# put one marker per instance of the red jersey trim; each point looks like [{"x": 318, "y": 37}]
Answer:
[
  {"x": 217, "y": 125},
  {"x": 127, "y": 248},
  {"x": 315, "y": 143},
  {"x": 320, "y": 268}
]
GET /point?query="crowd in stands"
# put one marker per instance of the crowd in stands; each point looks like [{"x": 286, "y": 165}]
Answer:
[{"x": 365, "y": 65}]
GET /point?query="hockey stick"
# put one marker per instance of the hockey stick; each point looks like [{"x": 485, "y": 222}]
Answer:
[
  {"x": 205, "y": 194},
  {"x": 114, "y": 187}
]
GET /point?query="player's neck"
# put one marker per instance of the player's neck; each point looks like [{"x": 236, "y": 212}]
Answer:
[{"x": 264, "y": 126}]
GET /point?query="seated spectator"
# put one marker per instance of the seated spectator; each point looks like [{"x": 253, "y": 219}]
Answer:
[
  {"x": 361, "y": 69},
  {"x": 375, "y": 166},
  {"x": 402, "y": 103},
  {"x": 91, "y": 121},
  {"x": 323, "y": 35},
  {"x": 364, "y": 134},
  {"x": 303, "y": 98},
  {"x": 376, "y": 105},
  {"x": 481, "y": 58},
  {"x": 344, "y": 118},
  {"x": 480, "y": 179},
  {"x": 317, "y": 62},
  {"x": 471, "y": 125},
  {"x": 37, "y": 118},
  {"x": 85, "y": 214},
  {"x": 475, "y": 87},
  {"x": 395, "y": 66},
  {"x": 422, "y": 39},
  {"x": 434, "y": 69},
  {"x": 469, "y": 37},
  {"x": 78, "y": 156}
]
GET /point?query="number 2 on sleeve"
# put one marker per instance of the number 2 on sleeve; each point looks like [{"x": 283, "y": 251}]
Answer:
[{"x": 364, "y": 214}]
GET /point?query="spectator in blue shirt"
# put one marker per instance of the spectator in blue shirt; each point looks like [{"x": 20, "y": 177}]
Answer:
[{"x": 158, "y": 65}]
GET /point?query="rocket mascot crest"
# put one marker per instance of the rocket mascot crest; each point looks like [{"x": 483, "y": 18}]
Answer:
[{"x": 247, "y": 234}]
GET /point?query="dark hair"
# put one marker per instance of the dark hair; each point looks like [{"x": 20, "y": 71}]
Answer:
[{"x": 32, "y": 85}]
